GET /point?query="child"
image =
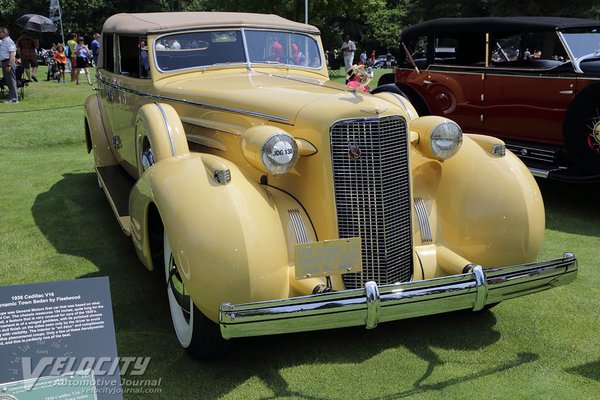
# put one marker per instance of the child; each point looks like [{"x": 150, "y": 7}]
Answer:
[
  {"x": 61, "y": 60},
  {"x": 357, "y": 76}
]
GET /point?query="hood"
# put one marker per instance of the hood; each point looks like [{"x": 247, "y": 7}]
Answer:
[
  {"x": 278, "y": 97},
  {"x": 591, "y": 67}
]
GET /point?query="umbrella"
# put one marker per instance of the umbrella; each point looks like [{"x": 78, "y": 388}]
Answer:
[{"x": 36, "y": 23}]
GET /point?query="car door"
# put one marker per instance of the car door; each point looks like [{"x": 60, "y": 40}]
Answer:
[
  {"x": 453, "y": 84},
  {"x": 526, "y": 92}
]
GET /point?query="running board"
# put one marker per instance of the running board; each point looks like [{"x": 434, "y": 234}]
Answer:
[
  {"x": 117, "y": 185},
  {"x": 563, "y": 175}
]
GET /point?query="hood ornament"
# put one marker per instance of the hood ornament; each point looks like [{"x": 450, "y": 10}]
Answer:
[{"x": 375, "y": 110}]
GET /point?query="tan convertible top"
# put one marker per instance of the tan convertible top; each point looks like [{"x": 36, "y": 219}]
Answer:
[{"x": 170, "y": 21}]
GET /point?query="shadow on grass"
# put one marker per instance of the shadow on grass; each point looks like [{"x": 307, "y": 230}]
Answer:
[
  {"x": 77, "y": 220},
  {"x": 571, "y": 208},
  {"x": 589, "y": 370}
]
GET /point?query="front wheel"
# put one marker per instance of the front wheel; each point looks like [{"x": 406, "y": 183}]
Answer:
[{"x": 196, "y": 333}]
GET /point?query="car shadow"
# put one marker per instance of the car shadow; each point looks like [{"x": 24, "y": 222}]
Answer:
[
  {"x": 77, "y": 220},
  {"x": 571, "y": 207},
  {"x": 590, "y": 370}
]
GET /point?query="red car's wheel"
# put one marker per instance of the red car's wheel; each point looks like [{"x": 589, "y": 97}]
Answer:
[{"x": 582, "y": 133}]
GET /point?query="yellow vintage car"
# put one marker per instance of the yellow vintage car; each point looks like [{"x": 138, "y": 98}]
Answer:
[{"x": 272, "y": 200}]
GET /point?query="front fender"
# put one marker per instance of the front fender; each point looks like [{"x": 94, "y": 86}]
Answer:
[
  {"x": 228, "y": 239},
  {"x": 487, "y": 209}
]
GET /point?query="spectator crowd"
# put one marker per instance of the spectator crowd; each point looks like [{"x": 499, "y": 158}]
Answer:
[{"x": 21, "y": 57}]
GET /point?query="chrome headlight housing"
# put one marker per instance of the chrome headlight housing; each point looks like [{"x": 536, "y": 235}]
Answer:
[
  {"x": 446, "y": 139},
  {"x": 279, "y": 153},
  {"x": 270, "y": 149},
  {"x": 438, "y": 138}
]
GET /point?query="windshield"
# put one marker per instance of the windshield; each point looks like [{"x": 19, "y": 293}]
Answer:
[
  {"x": 283, "y": 48},
  {"x": 583, "y": 43},
  {"x": 204, "y": 49}
]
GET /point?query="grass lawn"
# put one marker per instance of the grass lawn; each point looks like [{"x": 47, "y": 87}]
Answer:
[{"x": 56, "y": 224}]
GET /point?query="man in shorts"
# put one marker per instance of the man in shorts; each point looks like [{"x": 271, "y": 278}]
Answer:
[{"x": 71, "y": 43}]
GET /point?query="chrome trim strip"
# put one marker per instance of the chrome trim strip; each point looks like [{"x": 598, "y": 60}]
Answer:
[
  {"x": 540, "y": 173},
  {"x": 482, "y": 287},
  {"x": 373, "y": 304},
  {"x": 169, "y": 130},
  {"x": 299, "y": 227},
  {"x": 397, "y": 301},
  {"x": 195, "y": 103},
  {"x": 423, "y": 217}
]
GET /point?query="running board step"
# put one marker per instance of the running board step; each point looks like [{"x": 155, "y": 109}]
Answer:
[{"x": 117, "y": 185}]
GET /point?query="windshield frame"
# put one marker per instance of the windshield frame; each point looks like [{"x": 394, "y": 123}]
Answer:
[{"x": 247, "y": 61}]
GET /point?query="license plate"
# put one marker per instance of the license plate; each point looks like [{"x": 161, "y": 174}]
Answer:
[{"x": 328, "y": 257}]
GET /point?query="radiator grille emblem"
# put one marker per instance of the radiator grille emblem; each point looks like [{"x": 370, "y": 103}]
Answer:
[{"x": 353, "y": 151}]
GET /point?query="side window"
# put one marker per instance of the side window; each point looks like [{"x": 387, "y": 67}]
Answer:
[
  {"x": 506, "y": 48},
  {"x": 532, "y": 50},
  {"x": 129, "y": 56},
  {"x": 108, "y": 52},
  {"x": 417, "y": 49},
  {"x": 466, "y": 49},
  {"x": 445, "y": 49},
  {"x": 544, "y": 46}
]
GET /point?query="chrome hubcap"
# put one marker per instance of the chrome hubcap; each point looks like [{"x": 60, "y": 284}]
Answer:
[{"x": 594, "y": 135}]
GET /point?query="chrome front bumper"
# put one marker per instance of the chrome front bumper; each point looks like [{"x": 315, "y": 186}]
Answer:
[{"x": 373, "y": 304}]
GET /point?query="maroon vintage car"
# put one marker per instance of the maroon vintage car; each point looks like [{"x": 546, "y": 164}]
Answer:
[{"x": 532, "y": 81}]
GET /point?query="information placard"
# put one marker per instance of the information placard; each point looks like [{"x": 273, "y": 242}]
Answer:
[{"x": 59, "y": 340}]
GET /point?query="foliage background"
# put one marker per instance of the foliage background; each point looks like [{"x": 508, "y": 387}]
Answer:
[{"x": 373, "y": 24}]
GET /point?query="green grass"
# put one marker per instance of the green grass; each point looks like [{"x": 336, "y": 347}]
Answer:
[{"x": 56, "y": 224}]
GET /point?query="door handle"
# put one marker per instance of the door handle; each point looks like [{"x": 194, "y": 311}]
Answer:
[
  {"x": 566, "y": 92},
  {"x": 428, "y": 82}
]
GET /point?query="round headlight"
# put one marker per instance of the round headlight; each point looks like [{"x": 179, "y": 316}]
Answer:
[
  {"x": 279, "y": 153},
  {"x": 446, "y": 139}
]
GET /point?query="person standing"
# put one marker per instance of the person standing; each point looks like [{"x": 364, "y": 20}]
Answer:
[
  {"x": 96, "y": 48},
  {"x": 8, "y": 51},
  {"x": 61, "y": 61},
  {"x": 363, "y": 58},
  {"x": 82, "y": 61},
  {"x": 71, "y": 43},
  {"x": 348, "y": 49},
  {"x": 26, "y": 46}
]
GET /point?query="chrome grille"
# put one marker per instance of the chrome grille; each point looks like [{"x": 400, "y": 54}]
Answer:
[{"x": 372, "y": 194}]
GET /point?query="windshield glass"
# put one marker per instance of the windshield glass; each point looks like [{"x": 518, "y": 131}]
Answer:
[
  {"x": 198, "y": 49},
  {"x": 270, "y": 47},
  {"x": 203, "y": 49},
  {"x": 582, "y": 44}
]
